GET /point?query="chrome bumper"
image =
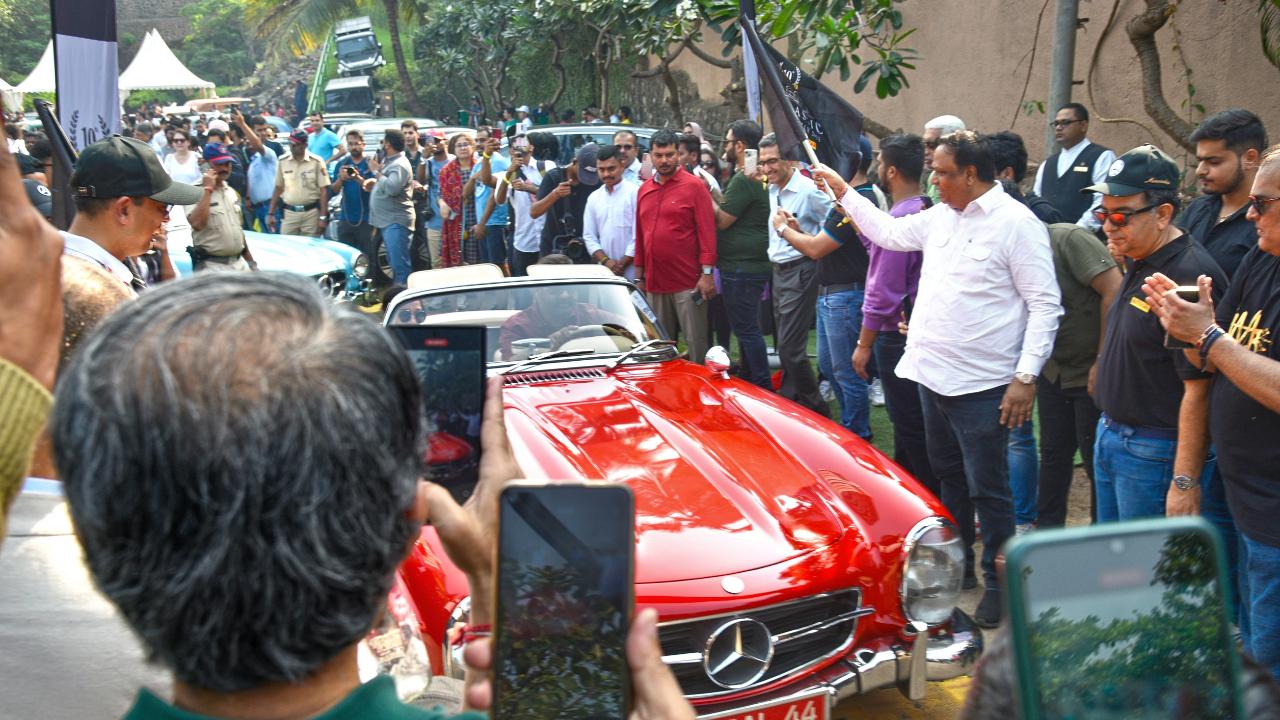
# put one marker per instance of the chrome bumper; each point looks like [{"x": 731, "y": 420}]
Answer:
[{"x": 908, "y": 663}]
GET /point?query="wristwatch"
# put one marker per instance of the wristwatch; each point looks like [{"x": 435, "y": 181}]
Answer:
[
  {"x": 1025, "y": 378},
  {"x": 1185, "y": 483},
  {"x": 706, "y": 269}
]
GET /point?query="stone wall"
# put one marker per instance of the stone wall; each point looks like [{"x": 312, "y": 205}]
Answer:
[
  {"x": 136, "y": 17},
  {"x": 976, "y": 54}
]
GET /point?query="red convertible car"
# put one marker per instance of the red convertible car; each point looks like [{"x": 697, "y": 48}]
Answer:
[{"x": 792, "y": 564}]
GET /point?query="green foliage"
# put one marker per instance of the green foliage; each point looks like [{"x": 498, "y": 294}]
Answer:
[
  {"x": 1269, "y": 21},
  {"x": 24, "y": 32},
  {"x": 838, "y": 33},
  {"x": 218, "y": 48}
]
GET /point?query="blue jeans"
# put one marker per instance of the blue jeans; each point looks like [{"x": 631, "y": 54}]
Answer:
[
  {"x": 839, "y": 322},
  {"x": 1213, "y": 507},
  {"x": 742, "y": 293},
  {"x": 494, "y": 248},
  {"x": 902, "y": 400},
  {"x": 1132, "y": 473},
  {"x": 1260, "y": 602},
  {"x": 396, "y": 238},
  {"x": 1024, "y": 473},
  {"x": 260, "y": 215},
  {"x": 968, "y": 449}
]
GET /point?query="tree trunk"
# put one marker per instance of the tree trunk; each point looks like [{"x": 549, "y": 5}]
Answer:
[
  {"x": 402, "y": 68},
  {"x": 1142, "y": 33},
  {"x": 871, "y": 127},
  {"x": 562, "y": 77},
  {"x": 673, "y": 93}
]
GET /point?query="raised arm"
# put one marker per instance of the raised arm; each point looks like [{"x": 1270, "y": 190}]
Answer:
[{"x": 904, "y": 233}]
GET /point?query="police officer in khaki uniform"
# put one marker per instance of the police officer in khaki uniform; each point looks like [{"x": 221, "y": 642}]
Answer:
[
  {"x": 302, "y": 186},
  {"x": 218, "y": 238}
]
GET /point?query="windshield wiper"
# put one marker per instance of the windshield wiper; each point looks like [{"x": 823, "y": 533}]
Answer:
[
  {"x": 552, "y": 355},
  {"x": 642, "y": 347}
]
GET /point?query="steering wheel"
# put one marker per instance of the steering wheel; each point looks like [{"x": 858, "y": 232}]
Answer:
[{"x": 606, "y": 329}]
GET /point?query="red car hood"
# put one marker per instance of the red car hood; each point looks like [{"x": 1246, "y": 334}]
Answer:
[{"x": 722, "y": 472}]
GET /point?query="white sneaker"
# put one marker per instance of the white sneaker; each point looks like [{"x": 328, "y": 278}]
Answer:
[
  {"x": 828, "y": 392},
  {"x": 1023, "y": 529},
  {"x": 876, "y": 392}
]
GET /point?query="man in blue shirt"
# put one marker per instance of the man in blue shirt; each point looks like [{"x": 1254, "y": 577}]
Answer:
[
  {"x": 262, "y": 176},
  {"x": 494, "y": 246},
  {"x": 323, "y": 142},
  {"x": 349, "y": 174}
]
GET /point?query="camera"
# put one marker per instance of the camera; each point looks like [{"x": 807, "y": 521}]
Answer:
[{"x": 572, "y": 247}]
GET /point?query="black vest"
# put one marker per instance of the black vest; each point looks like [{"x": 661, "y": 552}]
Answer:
[{"x": 1064, "y": 192}]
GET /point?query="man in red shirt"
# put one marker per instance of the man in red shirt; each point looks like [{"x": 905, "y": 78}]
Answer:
[{"x": 676, "y": 245}]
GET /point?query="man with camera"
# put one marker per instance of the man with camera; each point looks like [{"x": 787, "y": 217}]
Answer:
[
  {"x": 562, "y": 198},
  {"x": 349, "y": 175},
  {"x": 301, "y": 530}
]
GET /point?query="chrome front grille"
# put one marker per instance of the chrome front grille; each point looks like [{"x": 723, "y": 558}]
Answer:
[
  {"x": 804, "y": 633},
  {"x": 528, "y": 378},
  {"x": 333, "y": 283}
]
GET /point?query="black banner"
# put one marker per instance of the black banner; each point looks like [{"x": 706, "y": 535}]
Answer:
[
  {"x": 802, "y": 109},
  {"x": 86, "y": 68}
]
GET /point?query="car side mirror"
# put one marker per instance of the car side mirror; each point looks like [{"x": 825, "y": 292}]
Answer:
[{"x": 717, "y": 361}]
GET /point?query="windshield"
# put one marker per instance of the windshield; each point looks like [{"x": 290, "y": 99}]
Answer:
[
  {"x": 586, "y": 319},
  {"x": 359, "y": 45},
  {"x": 349, "y": 100}
]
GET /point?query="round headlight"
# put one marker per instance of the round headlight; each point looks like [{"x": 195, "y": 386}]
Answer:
[
  {"x": 360, "y": 266},
  {"x": 932, "y": 571},
  {"x": 454, "y": 666}
]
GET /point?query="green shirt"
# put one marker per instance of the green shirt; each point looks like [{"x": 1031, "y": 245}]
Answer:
[
  {"x": 1078, "y": 257},
  {"x": 374, "y": 699},
  {"x": 744, "y": 245}
]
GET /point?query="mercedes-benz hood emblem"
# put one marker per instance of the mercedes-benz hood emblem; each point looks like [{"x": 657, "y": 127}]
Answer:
[{"x": 738, "y": 653}]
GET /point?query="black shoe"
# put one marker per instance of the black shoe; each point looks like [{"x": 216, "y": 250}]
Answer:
[
  {"x": 970, "y": 578},
  {"x": 989, "y": 610}
]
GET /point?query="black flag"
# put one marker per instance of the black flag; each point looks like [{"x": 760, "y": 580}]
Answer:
[{"x": 802, "y": 109}]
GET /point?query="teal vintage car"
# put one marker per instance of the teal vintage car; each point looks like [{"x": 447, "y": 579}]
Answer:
[{"x": 340, "y": 270}]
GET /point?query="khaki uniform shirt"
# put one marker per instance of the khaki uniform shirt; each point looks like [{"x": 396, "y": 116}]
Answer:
[
  {"x": 301, "y": 179},
  {"x": 223, "y": 233}
]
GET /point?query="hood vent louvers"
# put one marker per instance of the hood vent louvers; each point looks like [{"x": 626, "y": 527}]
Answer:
[{"x": 530, "y": 378}]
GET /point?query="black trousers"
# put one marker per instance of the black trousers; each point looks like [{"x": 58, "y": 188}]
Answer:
[
  {"x": 1068, "y": 421},
  {"x": 902, "y": 400}
]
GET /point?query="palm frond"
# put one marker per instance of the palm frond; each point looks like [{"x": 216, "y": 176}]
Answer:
[{"x": 1269, "y": 22}]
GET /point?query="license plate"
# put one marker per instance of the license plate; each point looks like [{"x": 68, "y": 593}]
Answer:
[{"x": 811, "y": 707}]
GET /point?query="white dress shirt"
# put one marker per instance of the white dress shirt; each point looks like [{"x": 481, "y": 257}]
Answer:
[
  {"x": 1067, "y": 158},
  {"x": 988, "y": 303},
  {"x": 806, "y": 202},
  {"x": 632, "y": 172},
  {"x": 527, "y": 237},
  {"x": 86, "y": 249},
  {"x": 609, "y": 222}
]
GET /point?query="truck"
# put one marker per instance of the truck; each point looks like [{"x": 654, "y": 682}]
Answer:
[
  {"x": 356, "y": 47},
  {"x": 351, "y": 97}
]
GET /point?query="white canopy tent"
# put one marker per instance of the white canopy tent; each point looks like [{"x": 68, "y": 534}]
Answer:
[
  {"x": 12, "y": 99},
  {"x": 155, "y": 67},
  {"x": 42, "y": 79}
]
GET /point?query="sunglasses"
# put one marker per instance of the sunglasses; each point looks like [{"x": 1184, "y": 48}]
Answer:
[
  {"x": 1260, "y": 203},
  {"x": 627, "y": 147},
  {"x": 1062, "y": 123},
  {"x": 1120, "y": 218}
]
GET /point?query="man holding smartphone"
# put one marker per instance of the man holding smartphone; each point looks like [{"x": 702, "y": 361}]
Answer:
[
  {"x": 1152, "y": 441},
  {"x": 348, "y": 178},
  {"x": 981, "y": 332},
  {"x": 1241, "y": 351}
]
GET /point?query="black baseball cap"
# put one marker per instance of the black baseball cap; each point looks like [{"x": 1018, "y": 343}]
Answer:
[
  {"x": 39, "y": 196},
  {"x": 124, "y": 167},
  {"x": 1143, "y": 168}
]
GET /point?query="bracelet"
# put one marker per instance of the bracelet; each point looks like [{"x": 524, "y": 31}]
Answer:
[
  {"x": 859, "y": 344},
  {"x": 472, "y": 632},
  {"x": 1211, "y": 336},
  {"x": 1205, "y": 334}
]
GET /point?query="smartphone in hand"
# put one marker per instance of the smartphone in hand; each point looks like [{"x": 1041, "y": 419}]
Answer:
[
  {"x": 1191, "y": 294},
  {"x": 450, "y": 363},
  {"x": 751, "y": 163},
  {"x": 1123, "y": 620},
  {"x": 566, "y": 571}
]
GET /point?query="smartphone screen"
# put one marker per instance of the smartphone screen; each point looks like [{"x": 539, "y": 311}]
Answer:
[
  {"x": 1122, "y": 623},
  {"x": 450, "y": 366},
  {"x": 565, "y": 557}
]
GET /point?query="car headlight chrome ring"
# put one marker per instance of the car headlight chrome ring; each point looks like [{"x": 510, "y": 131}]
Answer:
[
  {"x": 932, "y": 571},
  {"x": 360, "y": 266},
  {"x": 454, "y": 666}
]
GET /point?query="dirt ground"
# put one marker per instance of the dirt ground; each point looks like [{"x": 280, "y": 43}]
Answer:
[{"x": 944, "y": 700}]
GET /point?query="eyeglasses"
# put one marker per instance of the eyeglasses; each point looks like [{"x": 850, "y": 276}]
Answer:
[
  {"x": 707, "y": 164},
  {"x": 1260, "y": 203},
  {"x": 627, "y": 147},
  {"x": 1062, "y": 123},
  {"x": 1120, "y": 218}
]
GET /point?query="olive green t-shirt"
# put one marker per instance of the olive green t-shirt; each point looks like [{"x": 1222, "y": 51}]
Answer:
[
  {"x": 1078, "y": 257},
  {"x": 744, "y": 245},
  {"x": 374, "y": 699}
]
